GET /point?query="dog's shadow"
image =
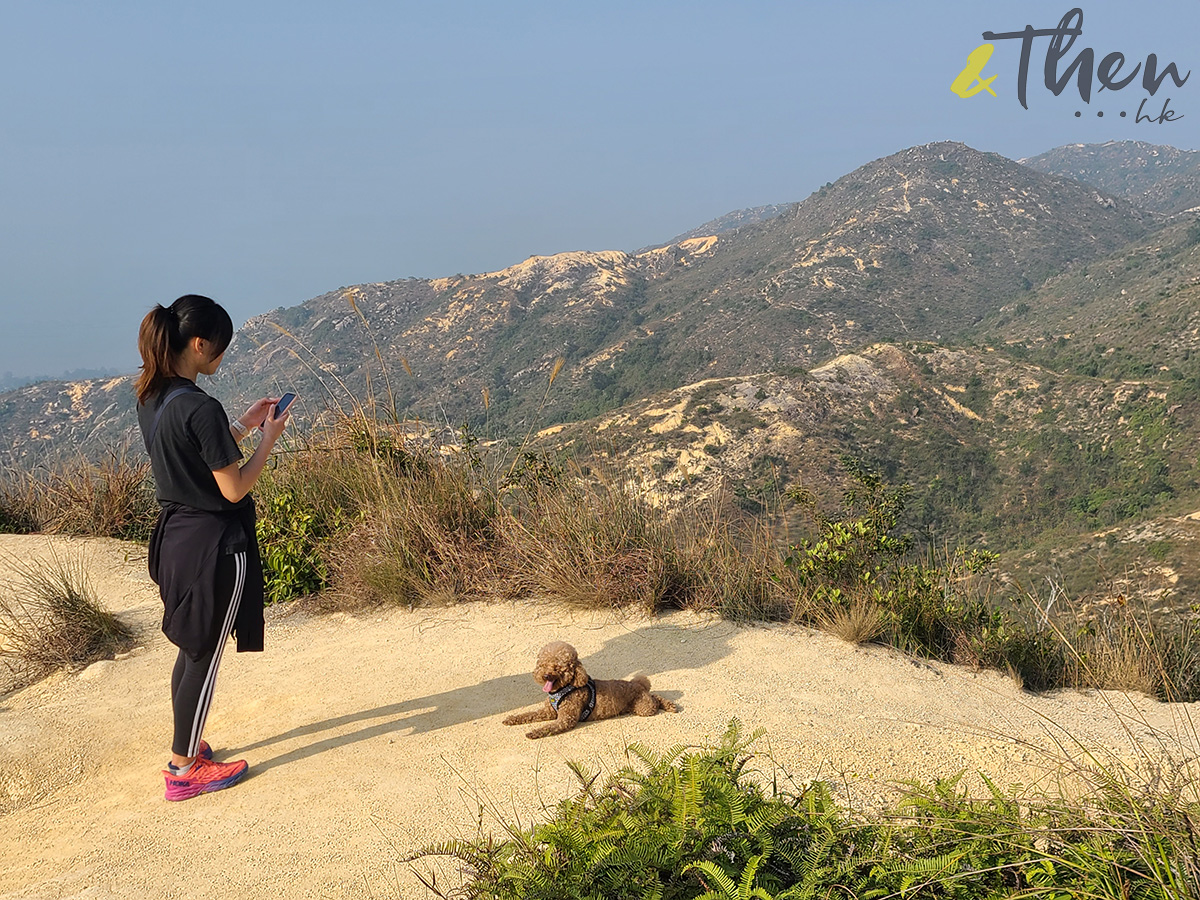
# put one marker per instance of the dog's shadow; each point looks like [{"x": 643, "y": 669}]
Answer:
[{"x": 667, "y": 647}]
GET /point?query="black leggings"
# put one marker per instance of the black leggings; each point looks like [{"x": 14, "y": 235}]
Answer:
[{"x": 195, "y": 678}]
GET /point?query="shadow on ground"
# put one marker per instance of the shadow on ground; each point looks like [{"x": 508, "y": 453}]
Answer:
[{"x": 658, "y": 648}]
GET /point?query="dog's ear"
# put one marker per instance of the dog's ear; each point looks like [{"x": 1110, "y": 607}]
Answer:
[{"x": 578, "y": 675}]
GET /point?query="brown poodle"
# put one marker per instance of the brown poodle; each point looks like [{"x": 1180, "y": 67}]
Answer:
[{"x": 575, "y": 698}]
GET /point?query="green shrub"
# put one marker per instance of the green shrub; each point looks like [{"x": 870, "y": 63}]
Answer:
[
  {"x": 661, "y": 827},
  {"x": 857, "y": 561},
  {"x": 699, "y": 823},
  {"x": 289, "y": 538}
]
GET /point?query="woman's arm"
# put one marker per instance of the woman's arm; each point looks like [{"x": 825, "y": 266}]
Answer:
[{"x": 236, "y": 480}]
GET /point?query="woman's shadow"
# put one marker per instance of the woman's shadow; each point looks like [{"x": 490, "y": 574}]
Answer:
[{"x": 667, "y": 647}]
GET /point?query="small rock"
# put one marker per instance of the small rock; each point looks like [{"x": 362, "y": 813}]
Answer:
[{"x": 95, "y": 670}]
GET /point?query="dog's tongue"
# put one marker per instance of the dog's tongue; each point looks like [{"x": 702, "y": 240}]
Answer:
[{"x": 549, "y": 686}]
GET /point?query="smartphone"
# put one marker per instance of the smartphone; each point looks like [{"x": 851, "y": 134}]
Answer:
[{"x": 284, "y": 402}]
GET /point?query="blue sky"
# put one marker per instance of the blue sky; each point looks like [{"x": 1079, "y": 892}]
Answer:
[{"x": 266, "y": 152}]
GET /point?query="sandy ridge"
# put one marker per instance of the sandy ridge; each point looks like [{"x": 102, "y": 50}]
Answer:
[{"x": 371, "y": 735}]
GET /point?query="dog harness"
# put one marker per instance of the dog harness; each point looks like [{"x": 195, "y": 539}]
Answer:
[{"x": 557, "y": 697}]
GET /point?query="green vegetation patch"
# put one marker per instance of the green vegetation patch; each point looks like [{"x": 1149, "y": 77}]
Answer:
[{"x": 701, "y": 823}]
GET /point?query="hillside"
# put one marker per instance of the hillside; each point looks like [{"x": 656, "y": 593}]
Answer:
[
  {"x": 739, "y": 218},
  {"x": 998, "y": 452},
  {"x": 1015, "y": 345},
  {"x": 1158, "y": 178},
  {"x": 920, "y": 245},
  {"x": 1134, "y": 314},
  {"x": 52, "y": 418}
]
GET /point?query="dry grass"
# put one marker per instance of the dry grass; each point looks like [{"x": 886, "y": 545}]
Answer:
[
  {"x": 20, "y": 501},
  {"x": 1118, "y": 661},
  {"x": 1114, "y": 643},
  {"x": 112, "y": 498},
  {"x": 858, "y": 623},
  {"x": 736, "y": 572},
  {"x": 50, "y": 619},
  {"x": 434, "y": 529},
  {"x": 425, "y": 534},
  {"x": 590, "y": 542}
]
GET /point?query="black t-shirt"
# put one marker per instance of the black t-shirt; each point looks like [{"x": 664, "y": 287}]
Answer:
[{"x": 193, "y": 439}]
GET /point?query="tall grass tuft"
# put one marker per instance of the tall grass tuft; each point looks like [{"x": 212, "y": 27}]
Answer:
[
  {"x": 111, "y": 498},
  {"x": 50, "y": 618},
  {"x": 423, "y": 537},
  {"x": 1124, "y": 645},
  {"x": 114, "y": 497},
  {"x": 419, "y": 526},
  {"x": 593, "y": 543},
  {"x": 859, "y": 622},
  {"x": 19, "y": 502},
  {"x": 734, "y": 569}
]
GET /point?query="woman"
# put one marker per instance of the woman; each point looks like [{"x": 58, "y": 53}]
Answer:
[{"x": 204, "y": 551}]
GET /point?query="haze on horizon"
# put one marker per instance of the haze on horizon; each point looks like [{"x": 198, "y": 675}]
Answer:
[{"x": 265, "y": 155}]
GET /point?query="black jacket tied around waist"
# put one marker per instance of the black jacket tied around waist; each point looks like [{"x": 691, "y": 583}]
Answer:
[{"x": 184, "y": 552}]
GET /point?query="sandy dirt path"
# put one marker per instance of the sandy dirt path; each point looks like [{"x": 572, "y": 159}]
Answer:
[{"x": 371, "y": 735}]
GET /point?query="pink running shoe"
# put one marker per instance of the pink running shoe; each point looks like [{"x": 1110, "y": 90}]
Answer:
[{"x": 203, "y": 777}]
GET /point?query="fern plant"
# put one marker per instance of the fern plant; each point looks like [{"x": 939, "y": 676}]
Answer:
[{"x": 697, "y": 824}]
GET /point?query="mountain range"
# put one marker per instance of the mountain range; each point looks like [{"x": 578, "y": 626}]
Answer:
[{"x": 1019, "y": 340}]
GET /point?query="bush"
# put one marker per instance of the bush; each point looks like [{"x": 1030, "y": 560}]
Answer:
[
  {"x": 369, "y": 515},
  {"x": 288, "y": 538},
  {"x": 303, "y": 504},
  {"x": 699, "y": 823},
  {"x": 658, "y": 828},
  {"x": 857, "y": 577}
]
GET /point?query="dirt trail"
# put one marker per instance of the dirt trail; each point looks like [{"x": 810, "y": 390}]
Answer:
[{"x": 369, "y": 736}]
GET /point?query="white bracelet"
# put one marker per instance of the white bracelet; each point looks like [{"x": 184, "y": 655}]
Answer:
[{"x": 241, "y": 429}]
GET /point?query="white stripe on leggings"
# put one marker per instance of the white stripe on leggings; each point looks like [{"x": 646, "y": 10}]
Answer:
[{"x": 210, "y": 680}]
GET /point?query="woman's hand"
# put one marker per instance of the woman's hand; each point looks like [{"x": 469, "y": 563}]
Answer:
[
  {"x": 236, "y": 479},
  {"x": 273, "y": 427},
  {"x": 257, "y": 414}
]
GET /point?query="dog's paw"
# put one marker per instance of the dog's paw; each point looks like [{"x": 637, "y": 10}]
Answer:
[
  {"x": 536, "y": 733},
  {"x": 512, "y": 720}
]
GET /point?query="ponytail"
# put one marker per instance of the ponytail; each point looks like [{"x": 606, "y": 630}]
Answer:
[{"x": 165, "y": 333}]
